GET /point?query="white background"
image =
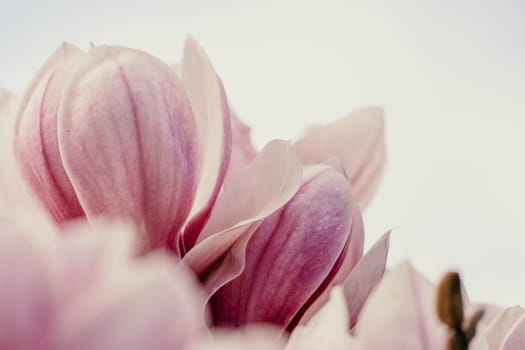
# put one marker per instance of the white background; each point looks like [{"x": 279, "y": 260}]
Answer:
[{"x": 450, "y": 76}]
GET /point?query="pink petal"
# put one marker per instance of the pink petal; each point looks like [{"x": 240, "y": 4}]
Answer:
[
  {"x": 212, "y": 115},
  {"x": 243, "y": 151},
  {"x": 400, "y": 314},
  {"x": 36, "y": 143},
  {"x": 515, "y": 339},
  {"x": 350, "y": 257},
  {"x": 154, "y": 307},
  {"x": 499, "y": 331},
  {"x": 365, "y": 276},
  {"x": 254, "y": 338},
  {"x": 327, "y": 329},
  {"x": 292, "y": 257},
  {"x": 128, "y": 141},
  {"x": 95, "y": 252},
  {"x": 261, "y": 188},
  {"x": 358, "y": 140},
  {"x": 28, "y": 286}
]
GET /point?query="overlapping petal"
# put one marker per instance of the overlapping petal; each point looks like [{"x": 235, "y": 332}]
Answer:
[
  {"x": 506, "y": 331},
  {"x": 36, "y": 143},
  {"x": 212, "y": 116},
  {"x": 365, "y": 276},
  {"x": 402, "y": 309},
  {"x": 261, "y": 188},
  {"x": 135, "y": 154},
  {"x": 70, "y": 292},
  {"x": 328, "y": 329},
  {"x": 293, "y": 255},
  {"x": 358, "y": 141}
]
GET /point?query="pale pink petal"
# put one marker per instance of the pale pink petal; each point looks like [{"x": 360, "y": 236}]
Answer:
[
  {"x": 128, "y": 141},
  {"x": 358, "y": 141},
  {"x": 243, "y": 151},
  {"x": 400, "y": 314},
  {"x": 154, "y": 306},
  {"x": 365, "y": 276},
  {"x": 94, "y": 252},
  {"x": 36, "y": 145},
  {"x": 501, "y": 327},
  {"x": 292, "y": 257},
  {"x": 28, "y": 286},
  {"x": 212, "y": 116},
  {"x": 515, "y": 339},
  {"x": 262, "y": 188},
  {"x": 249, "y": 338},
  {"x": 328, "y": 329}
]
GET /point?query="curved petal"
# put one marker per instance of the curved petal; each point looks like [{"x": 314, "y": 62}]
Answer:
[
  {"x": 243, "y": 151},
  {"x": 515, "y": 338},
  {"x": 263, "y": 187},
  {"x": 212, "y": 116},
  {"x": 327, "y": 329},
  {"x": 290, "y": 258},
  {"x": 358, "y": 141},
  {"x": 128, "y": 141},
  {"x": 500, "y": 329},
  {"x": 36, "y": 143},
  {"x": 402, "y": 310},
  {"x": 365, "y": 276},
  {"x": 153, "y": 306}
]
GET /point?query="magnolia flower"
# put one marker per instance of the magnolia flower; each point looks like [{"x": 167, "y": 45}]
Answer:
[
  {"x": 84, "y": 291},
  {"x": 402, "y": 310},
  {"x": 116, "y": 132}
]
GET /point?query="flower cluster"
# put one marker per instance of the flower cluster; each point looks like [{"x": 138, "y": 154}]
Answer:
[{"x": 137, "y": 214}]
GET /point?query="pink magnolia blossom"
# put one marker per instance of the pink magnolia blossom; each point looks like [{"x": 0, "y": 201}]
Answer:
[
  {"x": 85, "y": 290},
  {"x": 400, "y": 314},
  {"x": 116, "y": 132}
]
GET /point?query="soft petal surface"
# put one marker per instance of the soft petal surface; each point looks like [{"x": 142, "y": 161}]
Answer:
[
  {"x": 212, "y": 116},
  {"x": 128, "y": 141},
  {"x": 243, "y": 151},
  {"x": 365, "y": 276},
  {"x": 72, "y": 292},
  {"x": 402, "y": 311},
  {"x": 36, "y": 145},
  {"x": 91, "y": 253},
  {"x": 352, "y": 254},
  {"x": 253, "y": 338},
  {"x": 262, "y": 187},
  {"x": 29, "y": 282},
  {"x": 358, "y": 141},
  {"x": 327, "y": 330},
  {"x": 292, "y": 256},
  {"x": 504, "y": 331},
  {"x": 149, "y": 307}
]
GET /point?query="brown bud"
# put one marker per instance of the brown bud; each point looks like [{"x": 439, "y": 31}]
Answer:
[{"x": 449, "y": 301}]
